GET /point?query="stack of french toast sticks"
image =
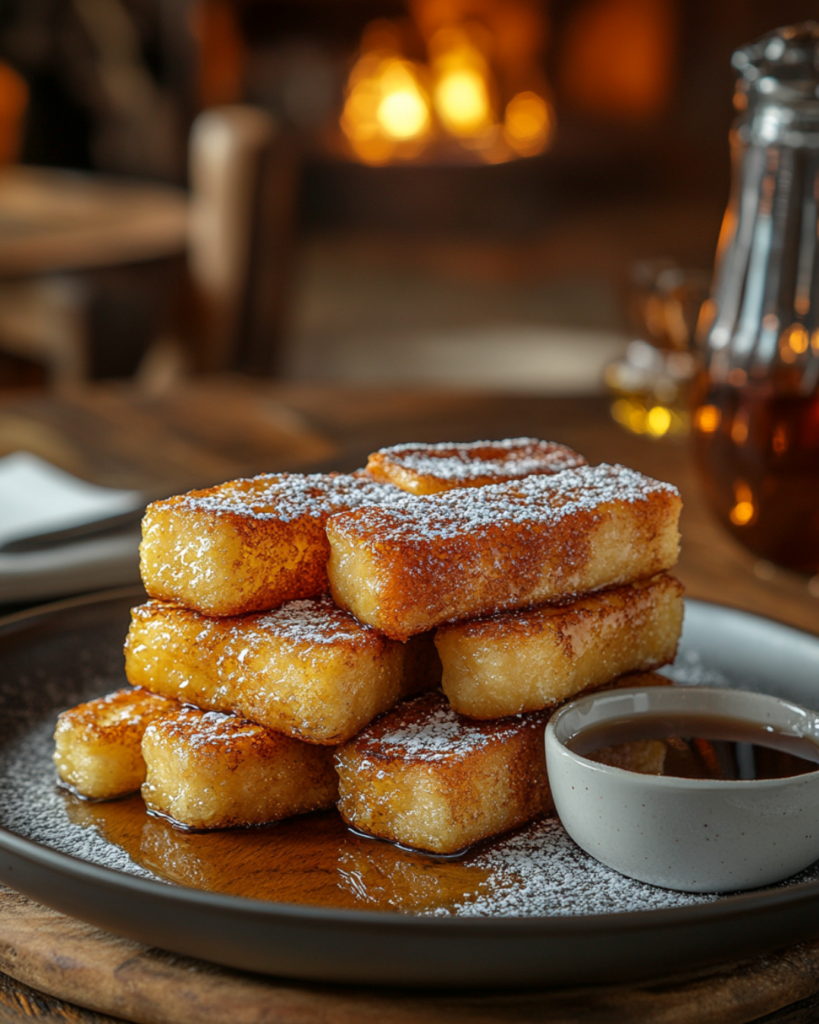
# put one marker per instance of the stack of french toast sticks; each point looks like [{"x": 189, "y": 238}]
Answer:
[{"x": 390, "y": 641}]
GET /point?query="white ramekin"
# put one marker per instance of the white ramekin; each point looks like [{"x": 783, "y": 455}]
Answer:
[{"x": 698, "y": 835}]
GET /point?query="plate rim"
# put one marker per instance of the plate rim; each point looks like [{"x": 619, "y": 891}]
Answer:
[{"x": 730, "y": 906}]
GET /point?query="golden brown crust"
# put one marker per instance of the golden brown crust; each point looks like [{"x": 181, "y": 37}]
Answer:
[
  {"x": 115, "y": 716},
  {"x": 529, "y": 660},
  {"x": 474, "y": 552},
  {"x": 248, "y": 545},
  {"x": 424, "y": 776},
  {"x": 307, "y": 669},
  {"x": 97, "y": 751},
  {"x": 430, "y": 468},
  {"x": 230, "y": 738},
  {"x": 561, "y": 619},
  {"x": 311, "y": 624},
  {"x": 207, "y": 770}
]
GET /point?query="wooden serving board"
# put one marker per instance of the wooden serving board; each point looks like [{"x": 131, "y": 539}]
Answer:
[{"x": 81, "y": 965}]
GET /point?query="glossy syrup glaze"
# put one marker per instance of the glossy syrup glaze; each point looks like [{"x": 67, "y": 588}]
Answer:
[{"x": 311, "y": 860}]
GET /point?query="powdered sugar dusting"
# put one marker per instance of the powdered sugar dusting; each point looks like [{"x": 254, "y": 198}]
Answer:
[
  {"x": 114, "y": 714},
  {"x": 298, "y": 626},
  {"x": 534, "y": 499},
  {"x": 314, "y": 621},
  {"x": 689, "y": 670},
  {"x": 426, "y": 728},
  {"x": 199, "y": 729},
  {"x": 288, "y": 496},
  {"x": 540, "y": 871},
  {"x": 441, "y": 734},
  {"x": 511, "y": 457}
]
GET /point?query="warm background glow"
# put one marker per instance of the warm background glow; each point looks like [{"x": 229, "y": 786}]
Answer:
[
  {"x": 528, "y": 123},
  {"x": 479, "y": 91},
  {"x": 463, "y": 80},
  {"x": 13, "y": 103},
  {"x": 618, "y": 57}
]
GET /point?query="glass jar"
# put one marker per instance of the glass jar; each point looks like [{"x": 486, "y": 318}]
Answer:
[
  {"x": 650, "y": 383},
  {"x": 756, "y": 399}
]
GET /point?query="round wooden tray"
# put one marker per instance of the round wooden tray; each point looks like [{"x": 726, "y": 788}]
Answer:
[{"x": 78, "y": 964}]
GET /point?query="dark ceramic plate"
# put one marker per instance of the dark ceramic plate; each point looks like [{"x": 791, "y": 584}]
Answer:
[{"x": 62, "y": 853}]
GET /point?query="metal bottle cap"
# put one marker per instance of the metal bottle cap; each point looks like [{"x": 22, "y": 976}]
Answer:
[
  {"x": 777, "y": 90},
  {"x": 783, "y": 65}
]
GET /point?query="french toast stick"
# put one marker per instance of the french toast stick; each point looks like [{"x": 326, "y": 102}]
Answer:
[
  {"x": 529, "y": 660},
  {"x": 207, "y": 770},
  {"x": 430, "y": 468},
  {"x": 426, "y": 777},
  {"x": 98, "y": 744},
  {"x": 306, "y": 669},
  {"x": 477, "y": 551},
  {"x": 248, "y": 545},
  {"x": 423, "y": 776}
]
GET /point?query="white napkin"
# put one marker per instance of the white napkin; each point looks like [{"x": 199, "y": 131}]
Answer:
[{"x": 37, "y": 498}]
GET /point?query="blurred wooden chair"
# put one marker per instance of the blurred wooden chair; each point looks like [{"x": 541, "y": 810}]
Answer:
[
  {"x": 243, "y": 176},
  {"x": 68, "y": 231}
]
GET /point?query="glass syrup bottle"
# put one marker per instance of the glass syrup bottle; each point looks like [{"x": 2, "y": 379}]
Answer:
[{"x": 756, "y": 414}]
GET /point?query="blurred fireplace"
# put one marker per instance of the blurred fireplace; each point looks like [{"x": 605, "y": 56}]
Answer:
[
  {"x": 450, "y": 114},
  {"x": 456, "y": 81},
  {"x": 636, "y": 93}
]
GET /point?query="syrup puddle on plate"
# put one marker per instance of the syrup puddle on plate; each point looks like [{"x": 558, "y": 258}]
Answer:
[{"x": 312, "y": 859}]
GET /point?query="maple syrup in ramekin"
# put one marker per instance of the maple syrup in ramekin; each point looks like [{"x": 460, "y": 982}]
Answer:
[{"x": 696, "y": 745}]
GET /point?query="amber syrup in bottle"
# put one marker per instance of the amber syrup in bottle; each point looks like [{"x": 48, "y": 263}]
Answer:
[{"x": 757, "y": 448}]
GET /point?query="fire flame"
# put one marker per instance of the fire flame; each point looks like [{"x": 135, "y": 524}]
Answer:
[
  {"x": 403, "y": 111},
  {"x": 387, "y": 108},
  {"x": 395, "y": 107},
  {"x": 462, "y": 82}
]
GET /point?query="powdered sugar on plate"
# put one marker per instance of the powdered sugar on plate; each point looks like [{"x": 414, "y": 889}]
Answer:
[
  {"x": 540, "y": 871},
  {"x": 32, "y": 805},
  {"x": 689, "y": 670}
]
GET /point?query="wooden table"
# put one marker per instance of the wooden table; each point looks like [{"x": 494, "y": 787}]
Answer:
[{"x": 213, "y": 429}]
